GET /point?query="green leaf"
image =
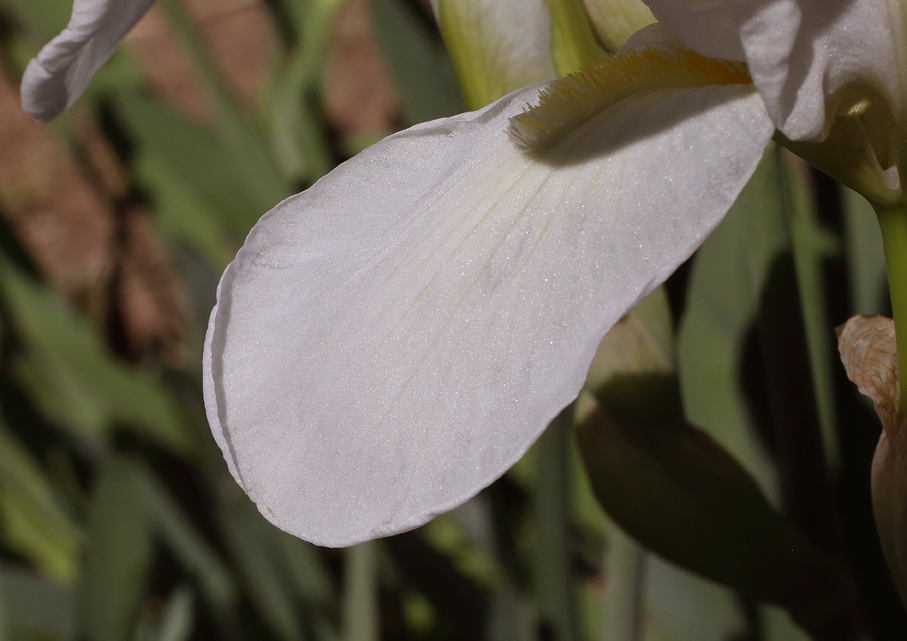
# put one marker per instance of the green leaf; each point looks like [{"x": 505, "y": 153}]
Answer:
[
  {"x": 574, "y": 44},
  {"x": 297, "y": 137},
  {"x": 682, "y": 606},
  {"x": 242, "y": 141},
  {"x": 360, "y": 593},
  {"x": 553, "y": 551},
  {"x": 72, "y": 376},
  {"x": 725, "y": 285},
  {"x": 418, "y": 62},
  {"x": 447, "y": 535},
  {"x": 254, "y": 549},
  {"x": 625, "y": 573},
  {"x": 119, "y": 554},
  {"x": 188, "y": 546},
  {"x": 865, "y": 256},
  {"x": 41, "y": 20},
  {"x": 680, "y": 494},
  {"x": 37, "y": 608},
  {"x": 183, "y": 216},
  {"x": 307, "y": 570},
  {"x": 177, "y": 617},
  {"x": 812, "y": 244},
  {"x": 196, "y": 157},
  {"x": 31, "y": 522}
]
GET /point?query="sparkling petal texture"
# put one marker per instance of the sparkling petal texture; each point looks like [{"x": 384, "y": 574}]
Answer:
[
  {"x": 804, "y": 55},
  {"x": 390, "y": 341},
  {"x": 58, "y": 75}
]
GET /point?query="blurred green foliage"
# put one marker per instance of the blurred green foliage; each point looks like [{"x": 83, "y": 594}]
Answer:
[{"x": 119, "y": 520}]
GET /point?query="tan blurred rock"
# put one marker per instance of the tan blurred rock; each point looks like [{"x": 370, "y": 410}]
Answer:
[
  {"x": 241, "y": 41},
  {"x": 150, "y": 299},
  {"x": 83, "y": 233},
  {"x": 64, "y": 224},
  {"x": 359, "y": 94}
]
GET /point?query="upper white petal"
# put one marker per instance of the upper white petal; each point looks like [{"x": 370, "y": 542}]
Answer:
[
  {"x": 390, "y": 341},
  {"x": 617, "y": 20},
  {"x": 801, "y": 53},
  {"x": 58, "y": 75}
]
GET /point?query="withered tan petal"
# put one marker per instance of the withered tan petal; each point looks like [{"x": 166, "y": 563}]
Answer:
[{"x": 869, "y": 353}]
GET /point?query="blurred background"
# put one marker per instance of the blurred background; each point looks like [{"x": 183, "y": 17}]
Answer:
[{"x": 118, "y": 518}]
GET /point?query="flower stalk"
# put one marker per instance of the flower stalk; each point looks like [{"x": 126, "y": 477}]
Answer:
[{"x": 893, "y": 223}]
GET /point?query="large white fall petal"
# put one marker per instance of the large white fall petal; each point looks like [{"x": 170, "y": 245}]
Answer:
[
  {"x": 808, "y": 58},
  {"x": 391, "y": 340},
  {"x": 58, "y": 75}
]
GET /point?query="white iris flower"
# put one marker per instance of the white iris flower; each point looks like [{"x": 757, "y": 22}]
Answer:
[{"x": 390, "y": 341}]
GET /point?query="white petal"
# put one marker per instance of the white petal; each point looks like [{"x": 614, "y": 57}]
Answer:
[
  {"x": 654, "y": 36},
  {"x": 708, "y": 27},
  {"x": 390, "y": 341},
  {"x": 497, "y": 46},
  {"x": 803, "y": 53},
  {"x": 58, "y": 75}
]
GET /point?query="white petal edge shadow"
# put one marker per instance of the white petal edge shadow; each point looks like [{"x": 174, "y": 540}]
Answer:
[
  {"x": 59, "y": 74},
  {"x": 390, "y": 341},
  {"x": 801, "y": 53}
]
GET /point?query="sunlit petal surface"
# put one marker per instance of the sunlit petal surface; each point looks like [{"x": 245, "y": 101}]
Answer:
[
  {"x": 390, "y": 341},
  {"x": 58, "y": 75},
  {"x": 810, "y": 59}
]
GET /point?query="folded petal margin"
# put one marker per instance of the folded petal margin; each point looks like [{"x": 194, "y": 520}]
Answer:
[
  {"x": 58, "y": 75},
  {"x": 497, "y": 46},
  {"x": 390, "y": 341},
  {"x": 805, "y": 56}
]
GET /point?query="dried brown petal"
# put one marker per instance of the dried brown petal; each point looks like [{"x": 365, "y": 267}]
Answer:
[
  {"x": 869, "y": 353},
  {"x": 889, "y": 504}
]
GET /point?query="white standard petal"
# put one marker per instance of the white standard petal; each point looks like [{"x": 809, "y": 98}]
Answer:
[
  {"x": 806, "y": 56},
  {"x": 810, "y": 59},
  {"x": 58, "y": 75},
  {"x": 708, "y": 27},
  {"x": 390, "y": 341}
]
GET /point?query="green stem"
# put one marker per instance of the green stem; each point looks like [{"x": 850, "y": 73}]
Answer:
[
  {"x": 553, "y": 552},
  {"x": 624, "y": 571},
  {"x": 239, "y": 134},
  {"x": 573, "y": 41},
  {"x": 360, "y": 599},
  {"x": 893, "y": 222}
]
